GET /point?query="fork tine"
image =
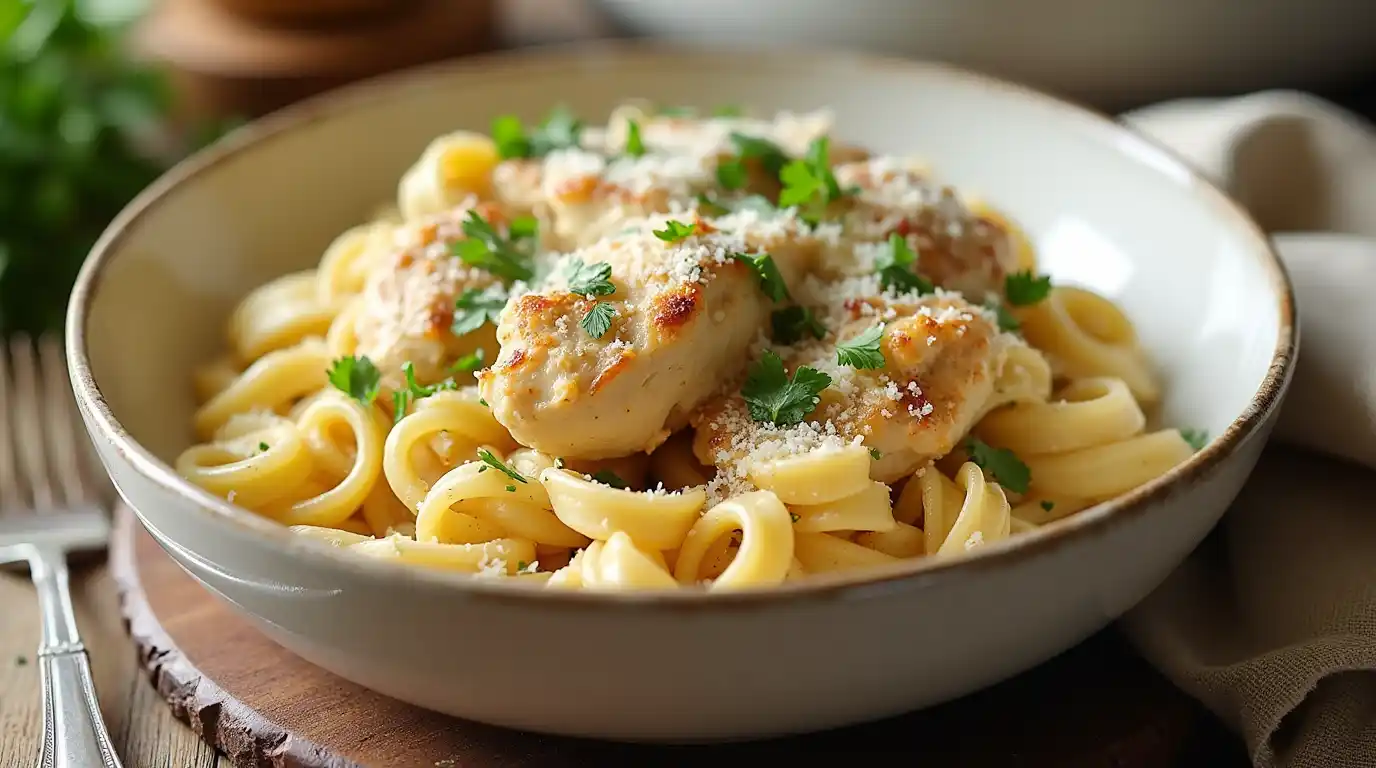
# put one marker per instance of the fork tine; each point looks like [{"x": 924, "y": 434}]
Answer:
[
  {"x": 57, "y": 407},
  {"x": 11, "y": 497},
  {"x": 26, "y": 410}
]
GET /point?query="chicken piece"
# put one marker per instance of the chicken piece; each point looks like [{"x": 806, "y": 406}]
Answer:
[
  {"x": 593, "y": 190},
  {"x": 408, "y": 301},
  {"x": 686, "y": 314},
  {"x": 957, "y": 248},
  {"x": 942, "y": 356}
]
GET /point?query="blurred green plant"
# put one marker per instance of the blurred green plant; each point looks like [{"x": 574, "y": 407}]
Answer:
[{"x": 76, "y": 115}]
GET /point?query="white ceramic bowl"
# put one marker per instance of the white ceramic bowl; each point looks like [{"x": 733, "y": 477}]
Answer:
[
  {"x": 1108, "y": 210},
  {"x": 1115, "y": 53}
]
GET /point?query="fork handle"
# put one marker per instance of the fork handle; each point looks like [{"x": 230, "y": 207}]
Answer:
[{"x": 74, "y": 734}]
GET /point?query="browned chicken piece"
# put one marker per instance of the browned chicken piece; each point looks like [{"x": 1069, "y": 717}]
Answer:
[{"x": 685, "y": 316}]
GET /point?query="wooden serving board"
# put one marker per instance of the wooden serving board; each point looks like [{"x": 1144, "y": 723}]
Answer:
[{"x": 1096, "y": 705}]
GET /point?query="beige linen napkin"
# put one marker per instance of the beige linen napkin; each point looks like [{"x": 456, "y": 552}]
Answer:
[{"x": 1272, "y": 622}]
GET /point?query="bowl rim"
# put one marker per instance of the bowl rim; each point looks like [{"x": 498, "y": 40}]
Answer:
[{"x": 914, "y": 573}]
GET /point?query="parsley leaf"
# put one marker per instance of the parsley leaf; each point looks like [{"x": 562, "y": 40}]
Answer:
[
  {"x": 469, "y": 362},
  {"x": 1197, "y": 438},
  {"x": 496, "y": 463},
  {"x": 731, "y": 173},
  {"x": 1048, "y": 505},
  {"x": 767, "y": 152},
  {"x": 473, "y": 308},
  {"x": 773, "y": 397},
  {"x": 598, "y": 320},
  {"x": 863, "y": 350},
  {"x": 523, "y": 227},
  {"x": 675, "y": 231},
  {"x": 1026, "y": 288},
  {"x": 414, "y": 390},
  {"x": 635, "y": 146},
  {"x": 809, "y": 183},
  {"x": 876, "y": 454},
  {"x": 559, "y": 131},
  {"x": 896, "y": 268},
  {"x": 356, "y": 377},
  {"x": 590, "y": 279},
  {"x": 488, "y": 250},
  {"x": 771, "y": 281},
  {"x": 1007, "y": 321},
  {"x": 608, "y": 477},
  {"x": 263, "y": 447},
  {"x": 791, "y": 324},
  {"x": 1007, "y": 469},
  {"x": 727, "y": 110}
]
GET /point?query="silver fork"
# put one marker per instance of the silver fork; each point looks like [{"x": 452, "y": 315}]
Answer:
[{"x": 52, "y": 505}]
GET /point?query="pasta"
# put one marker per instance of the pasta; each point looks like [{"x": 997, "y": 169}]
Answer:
[{"x": 674, "y": 352}]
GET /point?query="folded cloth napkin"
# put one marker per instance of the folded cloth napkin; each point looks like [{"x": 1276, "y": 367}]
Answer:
[{"x": 1271, "y": 623}]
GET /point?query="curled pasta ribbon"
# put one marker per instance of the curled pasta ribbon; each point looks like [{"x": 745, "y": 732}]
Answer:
[
  {"x": 332, "y": 536},
  {"x": 214, "y": 377},
  {"x": 1105, "y": 471},
  {"x": 261, "y": 459},
  {"x": 476, "y": 490},
  {"x": 1024, "y": 376},
  {"x": 360, "y": 471},
  {"x": 501, "y": 555},
  {"x": 616, "y": 563},
  {"x": 818, "y": 477},
  {"x": 278, "y": 315},
  {"x": 348, "y": 259},
  {"x": 826, "y": 553},
  {"x": 902, "y": 541},
  {"x": 272, "y": 382},
  {"x": 342, "y": 337},
  {"x": 658, "y": 521},
  {"x": 985, "y": 515},
  {"x": 765, "y": 554},
  {"x": 1089, "y": 336},
  {"x": 1089, "y": 412},
  {"x": 451, "y": 168},
  {"x": 868, "y": 510},
  {"x": 453, "y": 413},
  {"x": 1023, "y": 251},
  {"x": 384, "y": 512}
]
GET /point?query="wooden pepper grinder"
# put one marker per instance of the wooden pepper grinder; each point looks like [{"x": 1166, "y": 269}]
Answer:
[{"x": 243, "y": 58}]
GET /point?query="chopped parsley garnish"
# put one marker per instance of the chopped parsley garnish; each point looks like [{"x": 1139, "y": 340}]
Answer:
[
  {"x": 809, "y": 183},
  {"x": 772, "y": 396},
  {"x": 590, "y": 280},
  {"x": 1197, "y": 438},
  {"x": 486, "y": 249},
  {"x": 791, "y": 324},
  {"x": 896, "y": 268},
  {"x": 262, "y": 447},
  {"x": 771, "y": 281},
  {"x": 1006, "y": 320},
  {"x": 511, "y": 489},
  {"x": 635, "y": 146},
  {"x": 794, "y": 516},
  {"x": 356, "y": 377},
  {"x": 731, "y": 173},
  {"x": 523, "y": 227},
  {"x": 402, "y": 398},
  {"x": 469, "y": 362},
  {"x": 727, "y": 110},
  {"x": 473, "y": 308},
  {"x": 21, "y": 661},
  {"x": 608, "y": 477},
  {"x": 1048, "y": 505},
  {"x": 1007, "y": 469},
  {"x": 560, "y": 130},
  {"x": 496, "y": 463},
  {"x": 876, "y": 454},
  {"x": 598, "y": 320},
  {"x": 675, "y": 231},
  {"x": 1026, "y": 288},
  {"x": 862, "y": 350}
]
